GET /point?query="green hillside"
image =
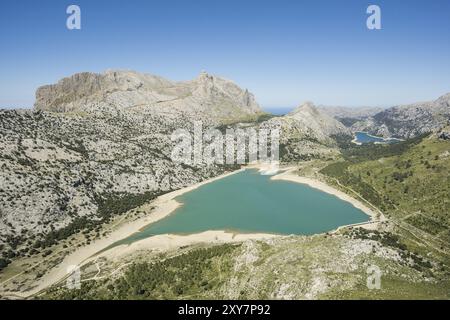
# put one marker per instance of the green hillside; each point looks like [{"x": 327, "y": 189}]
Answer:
[
  {"x": 415, "y": 186},
  {"x": 412, "y": 186},
  {"x": 409, "y": 182}
]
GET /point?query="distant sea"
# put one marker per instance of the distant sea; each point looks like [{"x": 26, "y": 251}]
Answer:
[{"x": 279, "y": 111}]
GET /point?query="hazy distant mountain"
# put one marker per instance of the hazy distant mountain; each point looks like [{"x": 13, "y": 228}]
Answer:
[
  {"x": 349, "y": 115},
  {"x": 207, "y": 97},
  {"x": 407, "y": 121}
]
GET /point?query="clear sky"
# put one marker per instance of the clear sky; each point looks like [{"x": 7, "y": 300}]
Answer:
[{"x": 285, "y": 52}]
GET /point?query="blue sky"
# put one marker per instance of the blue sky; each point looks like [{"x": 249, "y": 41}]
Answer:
[{"x": 285, "y": 52}]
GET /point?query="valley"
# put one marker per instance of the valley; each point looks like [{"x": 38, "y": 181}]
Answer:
[{"x": 91, "y": 165}]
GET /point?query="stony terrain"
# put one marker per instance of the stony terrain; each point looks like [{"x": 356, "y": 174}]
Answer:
[
  {"x": 348, "y": 115},
  {"x": 333, "y": 266},
  {"x": 98, "y": 145},
  {"x": 57, "y": 168}
]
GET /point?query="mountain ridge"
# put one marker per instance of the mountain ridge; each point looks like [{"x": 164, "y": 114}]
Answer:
[{"x": 116, "y": 90}]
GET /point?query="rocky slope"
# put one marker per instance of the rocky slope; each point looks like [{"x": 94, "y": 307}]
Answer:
[
  {"x": 408, "y": 120},
  {"x": 333, "y": 266},
  {"x": 97, "y": 145},
  {"x": 314, "y": 123},
  {"x": 210, "y": 98},
  {"x": 58, "y": 169},
  {"x": 307, "y": 132}
]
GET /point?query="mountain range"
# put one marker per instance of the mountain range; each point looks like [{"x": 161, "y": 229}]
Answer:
[
  {"x": 207, "y": 97},
  {"x": 407, "y": 121},
  {"x": 97, "y": 145}
]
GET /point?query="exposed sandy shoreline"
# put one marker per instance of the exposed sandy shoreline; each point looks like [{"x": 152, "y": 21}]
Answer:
[
  {"x": 355, "y": 141},
  {"x": 164, "y": 205},
  {"x": 288, "y": 176},
  {"x": 169, "y": 241}
]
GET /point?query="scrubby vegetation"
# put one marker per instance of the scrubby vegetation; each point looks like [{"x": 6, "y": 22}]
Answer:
[
  {"x": 3, "y": 263},
  {"x": 189, "y": 275},
  {"x": 283, "y": 269},
  {"x": 408, "y": 181},
  {"x": 110, "y": 204},
  {"x": 373, "y": 151},
  {"x": 389, "y": 239}
]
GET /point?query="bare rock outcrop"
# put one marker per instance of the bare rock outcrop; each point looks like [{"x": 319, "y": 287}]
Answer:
[{"x": 207, "y": 97}]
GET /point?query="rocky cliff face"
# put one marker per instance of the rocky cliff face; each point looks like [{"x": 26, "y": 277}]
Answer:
[
  {"x": 207, "y": 97},
  {"x": 408, "y": 121}
]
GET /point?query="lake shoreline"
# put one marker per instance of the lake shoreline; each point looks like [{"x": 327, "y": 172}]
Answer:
[
  {"x": 384, "y": 140},
  {"x": 162, "y": 207},
  {"x": 164, "y": 242},
  {"x": 319, "y": 185},
  {"x": 355, "y": 141}
]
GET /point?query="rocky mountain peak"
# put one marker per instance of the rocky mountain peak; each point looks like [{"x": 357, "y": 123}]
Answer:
[
  {"x": 204, "y": 76},
  {"x": 444, "y": 100},
  {"x": 206, "y": 96},
  {"x": 307, "y": 107},
  {"x": 307, "y": 121}
]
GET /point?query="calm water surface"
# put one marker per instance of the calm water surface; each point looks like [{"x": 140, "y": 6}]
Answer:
[
  {"x": 363, "y": 137},
  {"x": 251, "y": 202}
]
